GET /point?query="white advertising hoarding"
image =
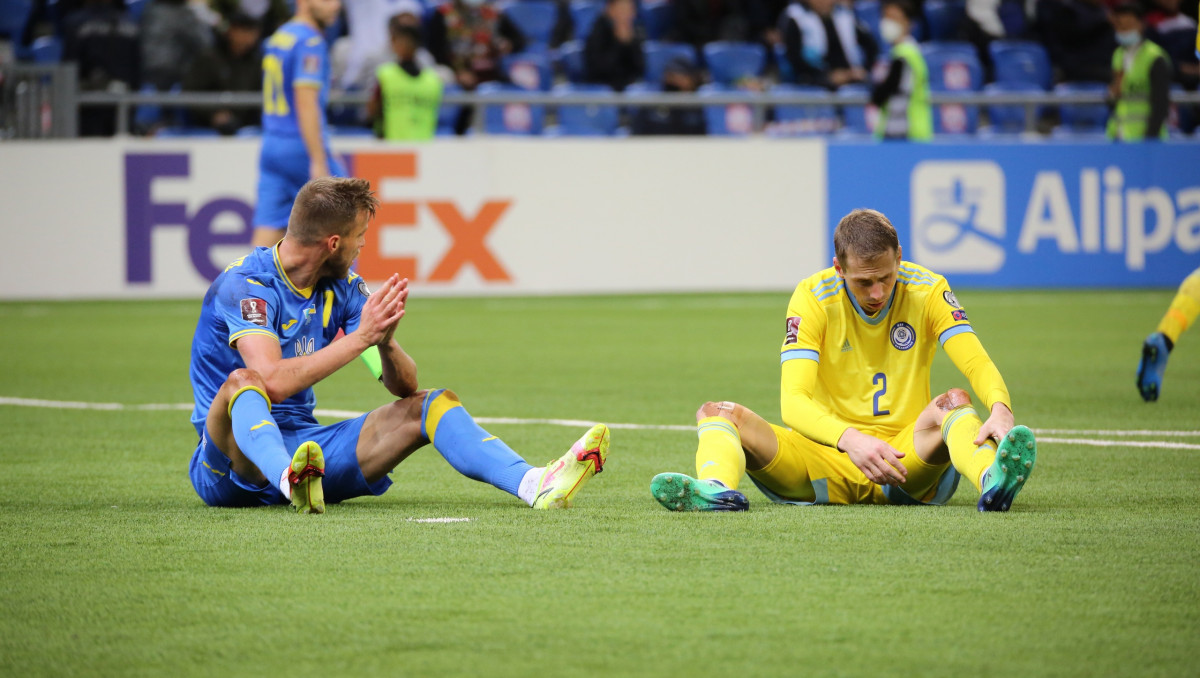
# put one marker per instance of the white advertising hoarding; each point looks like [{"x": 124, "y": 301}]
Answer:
[{"x": 110, "y": 219}]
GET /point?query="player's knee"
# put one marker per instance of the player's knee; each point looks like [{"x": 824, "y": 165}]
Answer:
[
  {"x": 724, "y": 409},
  {"x": 955, "y": 397},
  {"x": 241, "y": 378}
]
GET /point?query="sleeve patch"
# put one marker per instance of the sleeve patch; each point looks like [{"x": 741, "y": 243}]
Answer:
[
  {"x": 958, "y": 314},
  {"x": 254, "y": 311},
  {"x": 312, "y": 64},
  {"x": 362, "y": 287},
  {"x": 793, "y": 330},
  {"x": 951, "y": 299}
]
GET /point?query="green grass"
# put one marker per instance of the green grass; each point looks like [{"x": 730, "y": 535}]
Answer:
[{"x": 112, "y": 566}]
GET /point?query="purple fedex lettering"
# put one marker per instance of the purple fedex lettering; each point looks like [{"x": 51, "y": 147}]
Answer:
[{"x": 142, "y": 216}]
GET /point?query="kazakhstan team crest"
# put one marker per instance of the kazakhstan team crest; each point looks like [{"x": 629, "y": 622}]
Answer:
[{"x": 903, "y": 336}]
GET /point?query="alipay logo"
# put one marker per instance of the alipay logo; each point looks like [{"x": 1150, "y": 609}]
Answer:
[{"x": 958, "y": 216}]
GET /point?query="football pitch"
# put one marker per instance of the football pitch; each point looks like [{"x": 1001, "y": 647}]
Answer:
[{"x": 113, "y": 566}]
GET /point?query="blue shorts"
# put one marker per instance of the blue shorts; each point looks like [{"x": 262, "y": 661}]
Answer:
[
  {"x": 218, "y": 485},
  {"x": 282, "y": 170}
]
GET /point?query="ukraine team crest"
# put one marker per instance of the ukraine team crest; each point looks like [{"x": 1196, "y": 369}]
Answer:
[{"x": 903, "y": 336}]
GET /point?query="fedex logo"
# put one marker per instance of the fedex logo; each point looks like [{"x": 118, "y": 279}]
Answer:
[{"x": 144, "y": 215}]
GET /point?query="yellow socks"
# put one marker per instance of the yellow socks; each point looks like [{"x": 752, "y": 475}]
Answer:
[
  {"x": 959, "y": 429},
  {"x": 1184, "y": 308},
  {"x": 719, "y": 455}
]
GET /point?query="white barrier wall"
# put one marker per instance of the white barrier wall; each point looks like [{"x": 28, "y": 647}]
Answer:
[{"x": 93, "y": 219}]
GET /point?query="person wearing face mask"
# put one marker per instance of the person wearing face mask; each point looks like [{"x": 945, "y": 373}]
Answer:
[
  {"x": 903, "y": 96},
  {"x": 1140, "y": 88}
]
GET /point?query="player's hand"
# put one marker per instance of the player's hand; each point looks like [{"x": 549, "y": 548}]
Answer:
[
  {"x": 878, "y": 461},
  {"x": 402, "y": 286},
  {"x": 318, "y": 169},
  {"x": 997, "y": 426},
  {"x": 382, "y": 311}
]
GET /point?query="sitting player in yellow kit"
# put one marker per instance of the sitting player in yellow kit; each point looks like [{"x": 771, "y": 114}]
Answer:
[{"x": 863, "y": 429}]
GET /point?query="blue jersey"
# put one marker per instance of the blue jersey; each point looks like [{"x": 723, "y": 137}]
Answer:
[
  {"x": 254, "y": 296},
  {"x": 295, "y": 56}
]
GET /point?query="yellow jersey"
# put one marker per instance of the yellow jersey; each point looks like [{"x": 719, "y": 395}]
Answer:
[{"x": 844, "y": 368}]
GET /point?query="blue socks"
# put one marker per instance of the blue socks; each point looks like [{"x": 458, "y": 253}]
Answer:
[
  {"x": 257, "y": 434},
  {"x": 472, "y": 451}
]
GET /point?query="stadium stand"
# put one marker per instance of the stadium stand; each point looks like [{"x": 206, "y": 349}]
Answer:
[
  {"x": 730, "y": 62},
  {"x": 535, "y": 18},
  {"x": 1084, "y": 120},
  {"x": 588, "y": 121},
  {"x": 1020, "y": 62},
  {"x": 510, "y": 119},
  {"x": 659, "y": 54},
  {"x": 733, "y": 120},
  {"x": 529, "y": 71},
  {"x": 954, "y": 67},
  {"x": 570, "y": 60},
  {"x": 944, "y": 18},
  {"x": 1008, "y": 118},
  {"x": 583, "y": 15},
  {"x": 802, "y": 120},
  {"x": 656, "y": 16}
]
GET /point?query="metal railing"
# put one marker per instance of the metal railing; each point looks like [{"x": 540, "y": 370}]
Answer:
[{"x": 44, "y": 101}]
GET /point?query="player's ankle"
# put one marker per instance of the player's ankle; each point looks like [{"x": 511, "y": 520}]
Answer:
[{"x": 527, "y": 490}]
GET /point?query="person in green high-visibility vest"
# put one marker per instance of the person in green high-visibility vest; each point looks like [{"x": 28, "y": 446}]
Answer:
[
  {"x": 405, "y": 103},
  {"x": 1140, "y": 89},
  {"x": 903, "y": 96}
]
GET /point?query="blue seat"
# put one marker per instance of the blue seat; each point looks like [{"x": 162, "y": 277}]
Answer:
[
  {"x": 659, "y": 54},
  {"x": 1008, "y": 118},
  {"x": 869, "y": 12},
  {"x": 186, "y": 132},
  {"x": 583, "y": 15},
  {"x": 135, "y": 8},
  {"x": 529, "y": 71},
  {"x": 729, "y": 62},
  {"x": 448, "y": 113},
  {"x": 46, "y": 50},
  {"x": 514, "y": 119},
  {"x": 803, "y": 120},
  {"x": 1019, "y": 62},
  {"x": 249, "y": 131},
  {"x": 735, "y": 120},
  {"x": 657, "y": 17},
  {"x": 351, "y": 131},
  {"x": 954, "y": 67},
  {"x": 944, "y": 18},
  {"x": 570, "y": 57},
  {"x": 592, "y": 120},
  {"x": 535, "y": 18},
  {"x": 1012, "y": 15},
  {"x": 13, "y": 15},
  {"x": 1083, "y": 118},
  {"x": 854, "y": 116}
]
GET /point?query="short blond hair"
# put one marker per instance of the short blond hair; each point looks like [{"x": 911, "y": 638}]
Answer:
[
  {"x": 329, "y": 206},
  {"x": 866, "y": 234}
]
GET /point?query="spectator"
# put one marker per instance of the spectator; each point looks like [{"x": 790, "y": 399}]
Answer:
[
  {"x": 103, "y": 41},
  {"x": 234, "y": 64},
  {"x": 471, "y": 37},
  {"x": 1141, "y": 84},
  {"x": 173, "y": 35},
  {"x": 826, "y": 45},
  {"x": 354, "y": 58},
  {"x": 698, "y": 22},
  {"x": 613, "y": 53},
  {"x": 678, "y": 76},
  {"x": 404, "y": 104},
  {"x": 903, "y": 96},
  {"x": 1079, "y": 38},
  {"x": 1175, "y": 32},
  {"x": 270, "y": 14},
  {"x": 981, "y": 27}
]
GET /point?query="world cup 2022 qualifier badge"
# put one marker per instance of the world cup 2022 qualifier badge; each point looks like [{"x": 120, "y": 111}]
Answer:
[{"x": 903, "y": 336}]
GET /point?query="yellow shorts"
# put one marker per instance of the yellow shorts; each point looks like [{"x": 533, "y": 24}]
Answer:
[{"x": 807, "y": 472}]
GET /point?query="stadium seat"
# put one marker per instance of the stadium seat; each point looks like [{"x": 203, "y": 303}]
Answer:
[
  {"x": 1083, "y": 118},
  {"x": 729, "y": 62},
  {"x": 249, "y": 131},
  {"x": 135, "y": 8},
  {"x": 589, "y": 121},
  {"x": 734, "y": 120},
  {"x": 656, "y": 17},
  {"x": 46, "y": 50},
  {"x": 13, "y": 15},
  {"x": 535, "y": 18},
  {"x": 659, "y": 54},
  {"x": 570, "y": 57},
  {"x": 954, "y": 67},
  {"x": 869, "y": 12},
  {"x": 529, "y": 71},
  {"x": 515, "y": 119},
  {"x": 944, "y": 18},
  {"x": 803, "y": 120},
  {"x": 448, "y": 113},
  {"x": 583, "y": 15},
  {"x": 855, "y": 121},
  {"x": 1008, "y": 118},
  {"x": 1019, "y": 62},
  {"x": 188, "y": 132},
  {"x": 1012, "y": 15}
]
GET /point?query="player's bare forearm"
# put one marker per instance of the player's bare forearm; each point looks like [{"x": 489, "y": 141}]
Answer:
[
  {"x": 286, "y": 377},
  {"x": 308, "y": 115},
  {"x": 399, "y": 369}
]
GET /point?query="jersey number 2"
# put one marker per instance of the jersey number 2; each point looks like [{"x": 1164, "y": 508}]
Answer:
[
  {"x": 274, "y": 98},
  {"x": 880, "y": 380}
]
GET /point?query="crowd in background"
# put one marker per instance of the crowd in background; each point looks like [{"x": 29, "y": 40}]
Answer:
[{"x": 634, "y": 45}]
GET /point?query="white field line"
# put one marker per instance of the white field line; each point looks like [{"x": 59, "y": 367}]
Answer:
[
  {"x": 582, "y": 423},
  {"x": 439, "y": 520}
]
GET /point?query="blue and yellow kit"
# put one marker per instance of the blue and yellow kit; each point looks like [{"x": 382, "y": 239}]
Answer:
[
  {"x": 843, "y": 368},
  {"x": 254, "y": 296}
]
